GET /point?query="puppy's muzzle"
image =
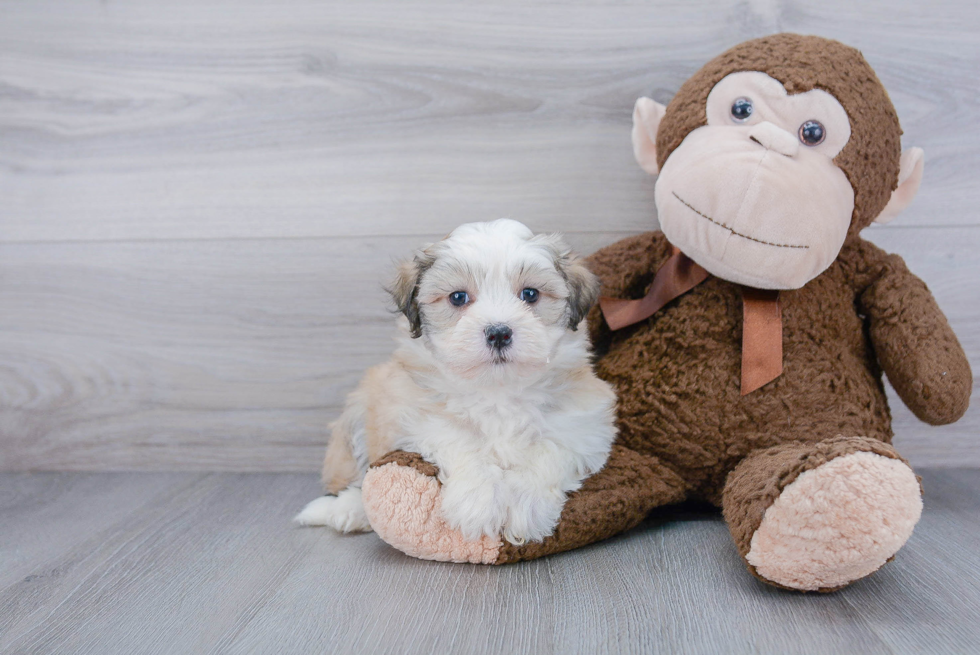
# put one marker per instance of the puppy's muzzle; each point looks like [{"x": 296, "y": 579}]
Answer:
[{"x": 499, "y": 336}]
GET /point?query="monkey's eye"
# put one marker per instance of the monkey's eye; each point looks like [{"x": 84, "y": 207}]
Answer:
[
  {"x": 529, "y": 295},
  {"x": 741, "y": 110},
  {"x": 812, "y": 133},
  {"x": 459, "y": 298}
]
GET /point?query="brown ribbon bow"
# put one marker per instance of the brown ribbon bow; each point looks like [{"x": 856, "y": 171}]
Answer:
[{"x": 762, "y": 323}]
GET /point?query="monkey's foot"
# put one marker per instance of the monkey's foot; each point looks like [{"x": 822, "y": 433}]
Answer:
[
  {"x": 837, "y": 522},
  {"x": 402, "y": 498}
]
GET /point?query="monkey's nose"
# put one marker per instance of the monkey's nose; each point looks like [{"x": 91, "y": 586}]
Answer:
[
  {"x": 774, "y": 138},
  {"x": 498, "y": 336}
]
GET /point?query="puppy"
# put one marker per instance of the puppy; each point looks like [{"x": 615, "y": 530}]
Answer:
[{"x": 491, "y": 382}]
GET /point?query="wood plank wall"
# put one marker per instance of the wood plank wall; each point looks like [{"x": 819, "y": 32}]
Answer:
[{"x": 199, "y": 199}]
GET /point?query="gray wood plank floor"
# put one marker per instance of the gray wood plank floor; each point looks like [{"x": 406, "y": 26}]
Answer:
[
  {"x": 200, "y": 199},
  {"x": 199, "y": 563}
]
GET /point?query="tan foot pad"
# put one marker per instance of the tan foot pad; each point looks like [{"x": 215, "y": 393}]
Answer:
[
  {"x": 837, "y": 523},
  {"x": 402, "y": 505}
]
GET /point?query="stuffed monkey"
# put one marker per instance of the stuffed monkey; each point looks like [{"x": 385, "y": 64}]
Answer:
[{"x": 748, "y": 338}]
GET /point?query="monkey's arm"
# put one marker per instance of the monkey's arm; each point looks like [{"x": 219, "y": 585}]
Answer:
[
  {"x": 626, "y": 269},
  {"x": 402, "y": 499},
  {"x": 916, "y": 346}
]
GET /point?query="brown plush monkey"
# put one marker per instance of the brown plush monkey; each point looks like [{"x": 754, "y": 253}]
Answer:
[{"x": 752, "y": 332}]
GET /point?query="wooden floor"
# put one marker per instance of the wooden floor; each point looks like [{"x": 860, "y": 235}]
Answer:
[{"x": 198, "y": 563}]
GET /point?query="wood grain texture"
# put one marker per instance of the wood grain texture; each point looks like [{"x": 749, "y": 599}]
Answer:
[
  {"x": 200, "y": 200},
  {"x": 179, "y": 563},
  {"x": 218, "y": 119},
  {"x": 193, "y": 355}
]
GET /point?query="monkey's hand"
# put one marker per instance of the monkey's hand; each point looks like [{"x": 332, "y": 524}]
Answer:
[
  {"x": 916, "y": 346},
  {"x": 626, "y": 270}
]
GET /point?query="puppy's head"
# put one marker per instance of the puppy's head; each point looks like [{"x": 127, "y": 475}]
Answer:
[{"x": 493, "y": 297}]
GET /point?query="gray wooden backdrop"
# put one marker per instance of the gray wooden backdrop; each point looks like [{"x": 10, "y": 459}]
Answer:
[{"x": 199, "y": 200}]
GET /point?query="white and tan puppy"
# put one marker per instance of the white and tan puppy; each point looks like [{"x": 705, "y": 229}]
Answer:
[{"x": 491, "y": 382}]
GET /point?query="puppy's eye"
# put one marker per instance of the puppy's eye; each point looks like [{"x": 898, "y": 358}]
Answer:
[
  {"x": 530, "y": 296},
  {"x": 459, "y": 298}
]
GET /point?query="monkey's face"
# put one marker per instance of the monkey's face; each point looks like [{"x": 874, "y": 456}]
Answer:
[{"x": 754, "y": 196}]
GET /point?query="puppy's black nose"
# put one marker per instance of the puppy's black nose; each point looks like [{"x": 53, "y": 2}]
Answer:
[{"x": 498, "y": 336}]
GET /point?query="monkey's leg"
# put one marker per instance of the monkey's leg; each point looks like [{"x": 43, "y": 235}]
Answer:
[
  {"x": 818, "y": 516},
  {"x": 401, "y": 498}
]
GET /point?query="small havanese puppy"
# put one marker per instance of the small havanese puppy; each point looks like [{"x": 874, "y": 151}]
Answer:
[{"x": 491, "y": 381}]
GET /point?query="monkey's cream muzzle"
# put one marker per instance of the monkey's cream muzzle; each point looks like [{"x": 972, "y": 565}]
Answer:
[{"x": 752, "y": 206}]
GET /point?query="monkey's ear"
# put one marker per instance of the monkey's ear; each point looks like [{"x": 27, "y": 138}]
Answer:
[
  {"x": 404, "y": 290},
  {"x": 909, "y": 179},
  {"x": 646, "y": 121}
]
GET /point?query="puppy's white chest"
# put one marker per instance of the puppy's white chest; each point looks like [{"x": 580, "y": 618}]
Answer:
[
  {"x": 499, "y": 432},
  {"x": 507, "y": 435}
]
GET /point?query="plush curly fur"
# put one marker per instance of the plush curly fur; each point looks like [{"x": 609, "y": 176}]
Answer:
[{"x": 686, "y": 432}]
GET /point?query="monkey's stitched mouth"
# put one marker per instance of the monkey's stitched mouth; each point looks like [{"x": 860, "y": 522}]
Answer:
[{"x": 738, "y": 234}]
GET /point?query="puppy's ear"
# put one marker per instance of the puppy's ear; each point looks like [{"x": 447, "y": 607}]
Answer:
[
  {"x": 404, "y": 290},
  {"x": 583, "y": 285}
]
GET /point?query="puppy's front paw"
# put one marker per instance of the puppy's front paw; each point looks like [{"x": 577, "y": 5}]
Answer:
[
  {"x": 533, "y": 515},
  {"x": 343, "y": 512},
  {"x": 474, "y": 505}
]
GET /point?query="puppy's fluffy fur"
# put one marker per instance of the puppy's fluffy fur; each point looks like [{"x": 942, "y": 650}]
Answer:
[{"x": 512, "y": 429}]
